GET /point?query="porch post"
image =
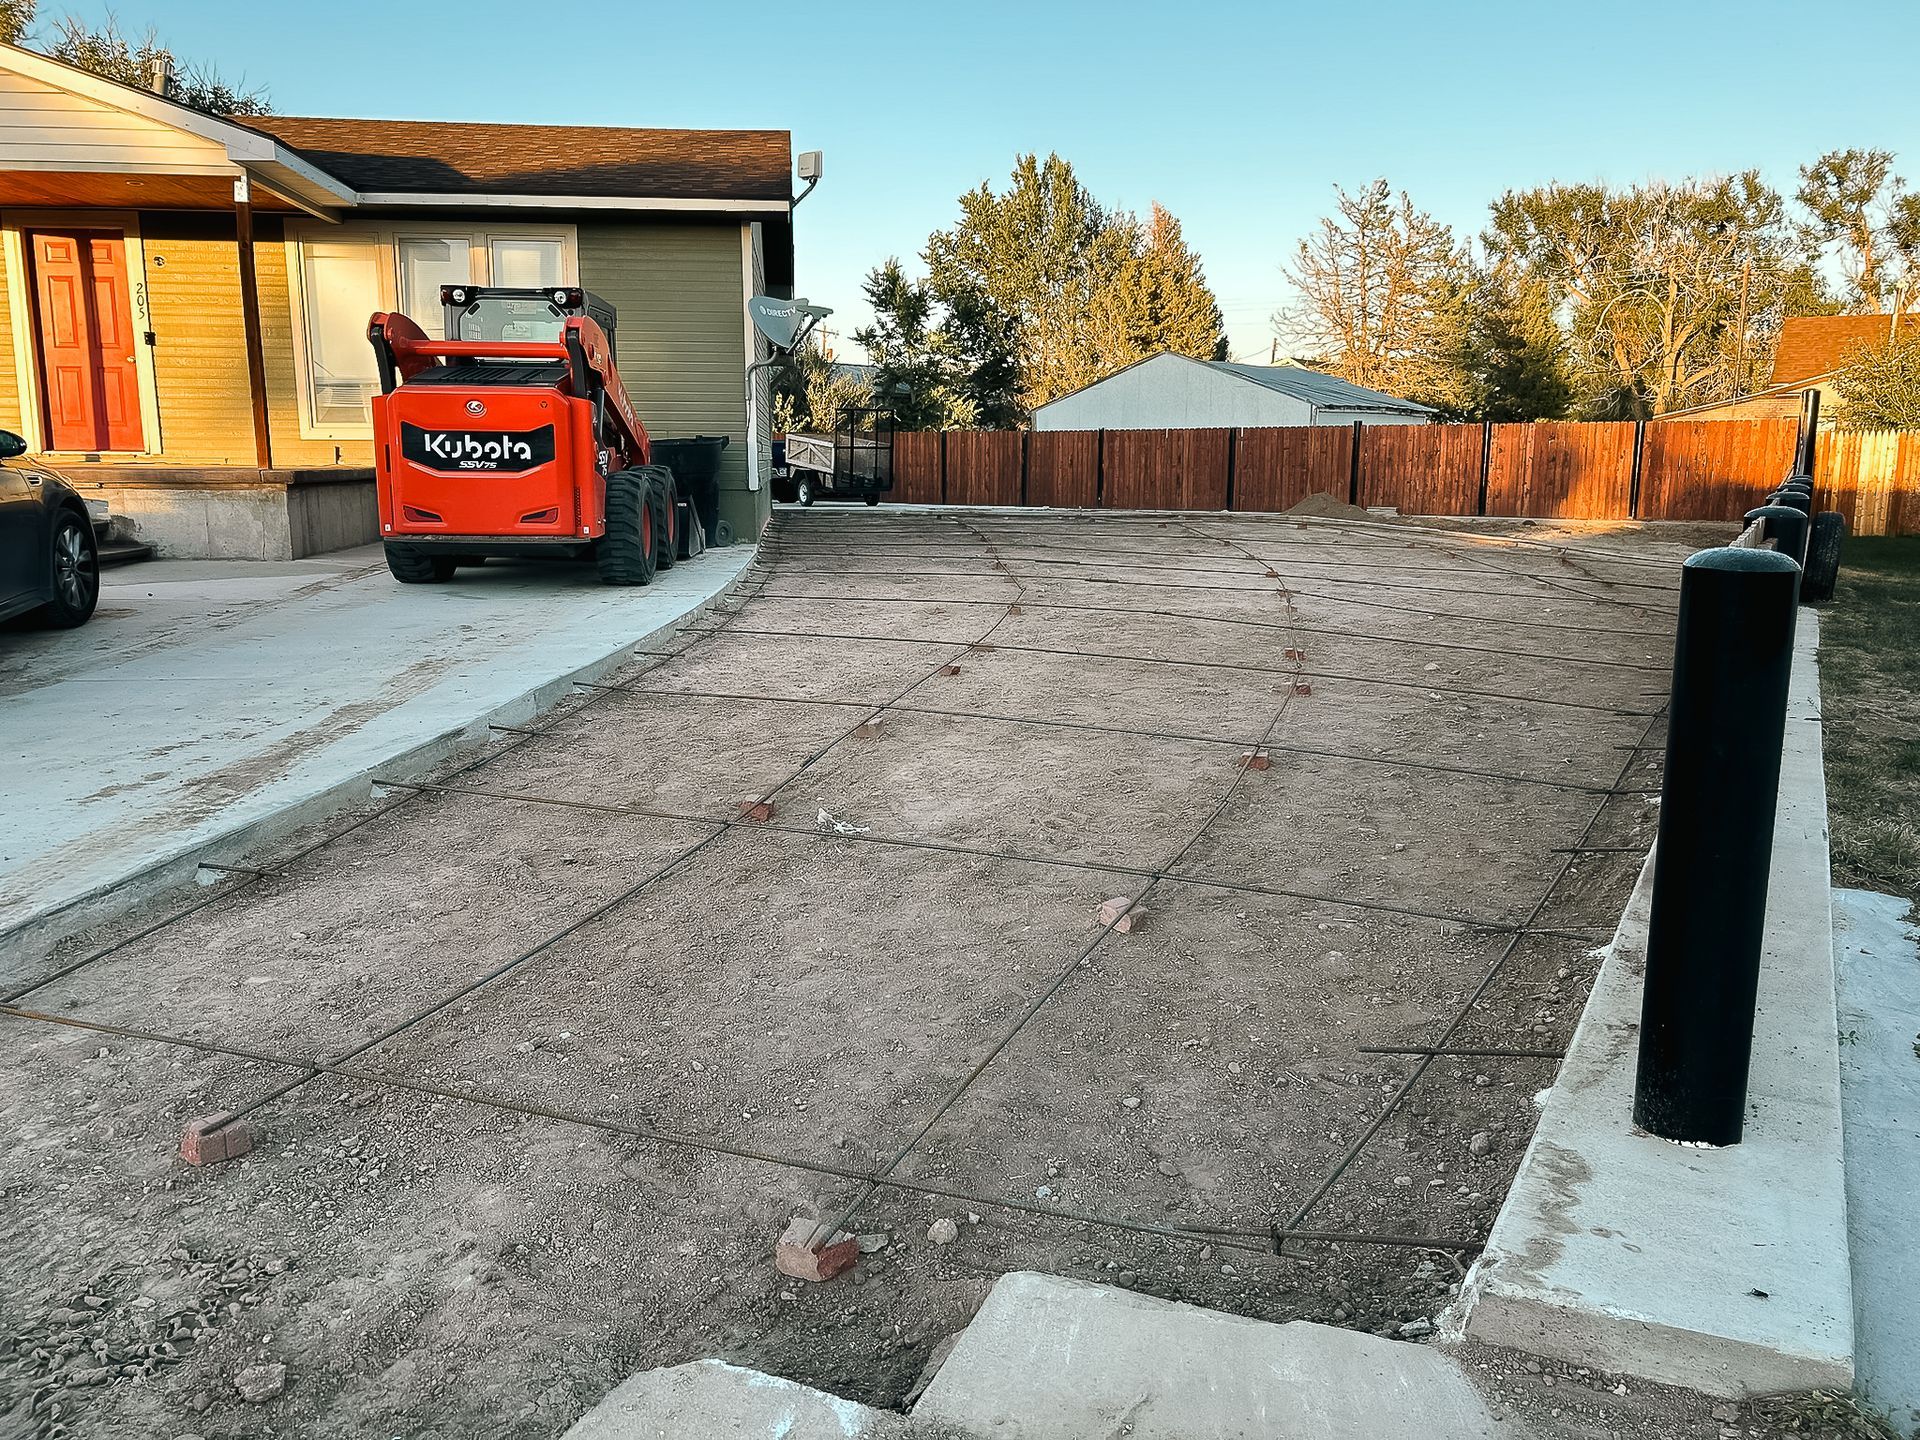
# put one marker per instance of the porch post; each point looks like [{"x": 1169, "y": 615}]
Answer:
[{"x": 250, "y": 321}]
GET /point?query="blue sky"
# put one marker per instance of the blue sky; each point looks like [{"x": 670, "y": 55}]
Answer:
[{"x": 1240, "y": 118}]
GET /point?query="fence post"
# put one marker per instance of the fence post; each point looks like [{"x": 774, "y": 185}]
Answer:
[
  {"x": 1100, "y": 469},
  {"x": 1639, "y": 458},
  {"x": 1732, "y": 661},
  {"x": 1806, "y": 443},
  {"x": 1026, "y": 438},
  {"x": 943, "y": 467},
  {"x": 1233, "y": 445},
  {"x": 1353, "y": 468},
  {"x": 1486, "y": 464}
]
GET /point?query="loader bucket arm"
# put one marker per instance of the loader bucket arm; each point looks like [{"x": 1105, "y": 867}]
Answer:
[
  {"x": 395, "y": 339},
  {"x": 589, "y": 351}
]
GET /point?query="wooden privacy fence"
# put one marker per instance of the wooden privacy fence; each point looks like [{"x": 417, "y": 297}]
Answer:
[{"x": 1714, "y": 470}]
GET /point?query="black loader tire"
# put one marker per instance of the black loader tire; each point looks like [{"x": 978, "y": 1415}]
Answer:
[
  {"x": 418, "y": 567},
  {"x": 666, "y": 518},
  {"x": 74, "y": 567},
  {"x": 1823, "y": 555},
  {"x": 627, "y": 553}
]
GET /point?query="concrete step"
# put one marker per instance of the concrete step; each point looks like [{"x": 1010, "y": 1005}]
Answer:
[
  {"x": 1053, "y": 1359},
  {"x": 123, "y": 552},
  {"x": 710, "y": 1397}
]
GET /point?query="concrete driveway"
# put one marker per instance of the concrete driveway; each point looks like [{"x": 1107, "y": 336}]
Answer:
[{"x": 208, "y": 696}]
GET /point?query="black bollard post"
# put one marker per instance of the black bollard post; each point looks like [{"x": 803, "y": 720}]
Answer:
[
  {"x": 1785, "y": 525},
  {"x": 1807, "y": 442},
  {"x": 1732, "y": 660}
]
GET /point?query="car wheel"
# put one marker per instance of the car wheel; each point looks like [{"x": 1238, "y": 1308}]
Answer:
[
  {"x": 413, "y": 567},
  {"x": 76, "y": 573}
]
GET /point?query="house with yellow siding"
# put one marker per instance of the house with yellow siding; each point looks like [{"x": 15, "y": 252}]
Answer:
[{"x": 184, "y": 298}]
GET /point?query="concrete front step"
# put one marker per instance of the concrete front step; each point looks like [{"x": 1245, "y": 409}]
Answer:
[{"x": 1053, "y": 1359}]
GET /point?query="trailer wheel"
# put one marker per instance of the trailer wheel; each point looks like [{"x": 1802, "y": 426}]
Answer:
[
  {"x": 665, "y": 517},
  {"x": 872, "y": 499},
  {"x": 414, "y": 567},
  {"x": 1823, "y": 555},
  {"x": 626, "y": 553},
  {"x": 803, "y": 490}
]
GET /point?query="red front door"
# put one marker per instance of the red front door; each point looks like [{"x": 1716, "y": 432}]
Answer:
[{"x": 89, "y": 385}]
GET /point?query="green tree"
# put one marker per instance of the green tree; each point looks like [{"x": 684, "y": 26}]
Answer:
[
  {"x": 1086, "y": 290},
  {"x": 107, "y": 50},
  {"x": 1517, "y": 355},
  {"x": 1669, "y": 294},
  {"x": 16, "y": 19},
  {"x": 1157, "y": 300},
  {"x": 810, "y": 392},
  {"x": 1863, "y": 216},
  {"x": 943, "y": 357},
  {"x": 1879, "y": 385},
  {"x": 1385, "y": 299}
]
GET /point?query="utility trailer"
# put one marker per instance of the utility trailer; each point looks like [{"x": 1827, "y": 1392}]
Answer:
[
  {"x": 513, "y": 436},
  {"x": 855, "y": 462}
]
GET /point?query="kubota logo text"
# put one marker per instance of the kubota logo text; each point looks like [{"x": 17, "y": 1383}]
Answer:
[{"x": 477, "y": 449}]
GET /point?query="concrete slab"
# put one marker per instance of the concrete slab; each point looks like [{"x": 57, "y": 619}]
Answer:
[
  {"x": 209, "y": 699},
  {"x": 710, "y": 1397},
  {"x": 1723, "y": 1270},
  {"x": 1052, "y": 1359},
  {"x": 1877, "y": 956}
]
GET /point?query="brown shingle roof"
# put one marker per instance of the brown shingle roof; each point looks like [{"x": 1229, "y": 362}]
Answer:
[
  {"x": 441, "y": 157},
  {"x": 1815, "y": 345}
]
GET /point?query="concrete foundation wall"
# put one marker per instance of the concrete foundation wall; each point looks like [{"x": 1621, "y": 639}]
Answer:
[
  {"x": 335, "y": 515},
  {"x": 272, "y": 520}
]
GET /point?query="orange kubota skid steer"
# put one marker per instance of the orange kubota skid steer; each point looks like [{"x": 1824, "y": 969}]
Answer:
[{"x": 513, "y": 436}]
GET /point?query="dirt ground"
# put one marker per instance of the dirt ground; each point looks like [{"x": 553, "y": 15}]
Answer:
[{"x": 594, "y": 1038}]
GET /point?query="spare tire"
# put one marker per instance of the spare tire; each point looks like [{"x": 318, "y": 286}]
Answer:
[{"x": 1823, "y": 556}]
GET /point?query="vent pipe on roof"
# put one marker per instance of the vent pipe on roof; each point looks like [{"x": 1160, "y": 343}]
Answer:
[{"x": 161, "y": 79}]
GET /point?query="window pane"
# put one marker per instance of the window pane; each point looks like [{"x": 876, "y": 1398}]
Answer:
[
  {"x": 525, "y": 264},
  {"x": 427, "y": 263},
  {"x": 341, "y": 284}
]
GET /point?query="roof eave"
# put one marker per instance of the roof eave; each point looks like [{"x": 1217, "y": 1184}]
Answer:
[
  {"x": 471, "y": 199},
  {"x": 248, "y": 149}
]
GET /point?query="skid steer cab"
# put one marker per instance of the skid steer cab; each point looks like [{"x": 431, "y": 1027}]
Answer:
[{"x": 513, "y": 436}]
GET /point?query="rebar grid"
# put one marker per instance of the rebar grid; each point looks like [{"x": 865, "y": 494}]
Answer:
[{"x": 884, "y": 1178}]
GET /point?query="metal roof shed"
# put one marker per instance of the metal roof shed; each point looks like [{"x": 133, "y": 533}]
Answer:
[{"x": 1174, "y": 392}]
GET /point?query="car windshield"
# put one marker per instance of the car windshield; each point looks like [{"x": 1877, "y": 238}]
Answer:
[{"x": 499, "y": 317}]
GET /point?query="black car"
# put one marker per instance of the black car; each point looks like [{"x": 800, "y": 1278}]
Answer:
[{"x": 49, "y": 563}]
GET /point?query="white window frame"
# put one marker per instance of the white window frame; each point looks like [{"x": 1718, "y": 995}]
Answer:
[{"x": 384, "y": 239}]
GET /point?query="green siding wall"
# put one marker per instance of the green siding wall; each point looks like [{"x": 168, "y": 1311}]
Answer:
[{"x": 681, "y": 344}]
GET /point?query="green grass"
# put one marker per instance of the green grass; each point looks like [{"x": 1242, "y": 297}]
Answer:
[{"x": 1870, "y": 691}]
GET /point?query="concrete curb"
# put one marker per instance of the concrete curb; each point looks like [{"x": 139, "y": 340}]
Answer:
[
  {"x": 1724, "y": 1270},
  {"x": 176, "y": 860}
]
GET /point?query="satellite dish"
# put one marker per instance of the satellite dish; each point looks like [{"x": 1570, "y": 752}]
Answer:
[{"x": 785, "y": 323}]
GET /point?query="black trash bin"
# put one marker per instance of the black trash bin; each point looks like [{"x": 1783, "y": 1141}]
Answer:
[{"x": 696, "y": 466}]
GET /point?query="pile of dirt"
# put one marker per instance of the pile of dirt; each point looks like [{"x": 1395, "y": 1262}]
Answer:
[{"x": 1321, "y": 505}]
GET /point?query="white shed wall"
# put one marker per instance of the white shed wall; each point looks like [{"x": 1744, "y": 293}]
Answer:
[
  {"x": 1366, "y": 417},
  {"x": 1171, "y": 393}
]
